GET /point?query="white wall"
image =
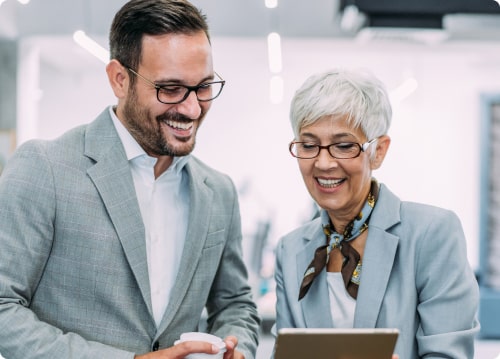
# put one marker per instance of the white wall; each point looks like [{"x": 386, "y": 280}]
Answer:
[{"x": 434, "y": 155}]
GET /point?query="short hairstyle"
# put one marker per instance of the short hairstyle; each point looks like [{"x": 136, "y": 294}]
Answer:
[
  {"x": 151, "y": 17},
  {"x": 356, "y": 94}
]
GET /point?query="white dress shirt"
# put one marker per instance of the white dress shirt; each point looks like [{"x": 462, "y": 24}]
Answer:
[{"x": 164, "y": 205}]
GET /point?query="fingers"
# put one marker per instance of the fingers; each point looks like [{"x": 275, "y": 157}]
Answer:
[
  {"x": 231, "y": 342},
  {"x": 189, "y": 347},
  {"x": 231, "y": 352},
  {"x": 181, "y": 350}
]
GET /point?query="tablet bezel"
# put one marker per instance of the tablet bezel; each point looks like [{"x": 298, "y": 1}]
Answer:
[{"x": 335, "y": 343}]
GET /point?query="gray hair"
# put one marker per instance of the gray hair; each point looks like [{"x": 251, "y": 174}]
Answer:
[{"x": 356, "y": 94}]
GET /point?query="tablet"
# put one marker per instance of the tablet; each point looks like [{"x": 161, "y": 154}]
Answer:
[{"x": 335, "y": 343}]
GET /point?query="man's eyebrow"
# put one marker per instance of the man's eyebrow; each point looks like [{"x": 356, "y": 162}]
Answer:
[{"x": 173, "y": 81}]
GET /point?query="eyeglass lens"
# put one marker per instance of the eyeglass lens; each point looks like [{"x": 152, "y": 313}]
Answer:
[
  {"x": 178, "y": 93},
  {"x": 343, "y": 150}
]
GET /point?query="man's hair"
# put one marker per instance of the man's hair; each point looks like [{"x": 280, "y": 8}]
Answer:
[{"x": 151, "y": 17}]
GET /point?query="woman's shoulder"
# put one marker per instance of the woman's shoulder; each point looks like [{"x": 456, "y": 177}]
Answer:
[
  {"x": 427, "y": 213},
  {"x": 407, "y": 208}
]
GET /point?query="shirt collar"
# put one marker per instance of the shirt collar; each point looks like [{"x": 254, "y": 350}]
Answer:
[{"x": 133, "y": 150}]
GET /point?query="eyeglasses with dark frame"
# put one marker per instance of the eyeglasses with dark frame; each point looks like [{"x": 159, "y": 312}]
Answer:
[
  {"x": 171, "y": 94},
  {"x": 339, "y": 150}
]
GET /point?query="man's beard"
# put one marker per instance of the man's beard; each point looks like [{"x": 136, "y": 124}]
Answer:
[{"x": 146, "y": 129}]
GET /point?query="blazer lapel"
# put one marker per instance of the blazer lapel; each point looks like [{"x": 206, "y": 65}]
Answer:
[
  {"x": 378, "y": 259},
  {"x": 317, "y": 296},
  {"x": 113, "y": 180},
  {"x": 199, "y": 214}
]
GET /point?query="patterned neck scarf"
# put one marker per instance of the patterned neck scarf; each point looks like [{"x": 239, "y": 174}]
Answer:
[{"x": 351, "y": 267}]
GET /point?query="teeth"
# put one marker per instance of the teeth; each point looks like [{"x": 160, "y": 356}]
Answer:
[
  {"x": 180, "y": 125},
  {"x": 329, "y": 182}
]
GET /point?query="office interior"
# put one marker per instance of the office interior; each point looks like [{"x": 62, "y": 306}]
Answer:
[{"x": 439, "y": 60}]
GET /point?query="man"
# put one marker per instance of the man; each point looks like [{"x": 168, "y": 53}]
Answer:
[{"x": 113, "y": 238}]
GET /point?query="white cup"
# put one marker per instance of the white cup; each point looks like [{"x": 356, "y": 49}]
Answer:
[{"x": 203, "y": 337}]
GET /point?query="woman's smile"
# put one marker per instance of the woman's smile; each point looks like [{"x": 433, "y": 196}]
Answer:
[{"x": 329, "y": 183}]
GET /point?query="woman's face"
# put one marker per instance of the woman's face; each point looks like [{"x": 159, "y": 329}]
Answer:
[{"x": 340, "y": 186}]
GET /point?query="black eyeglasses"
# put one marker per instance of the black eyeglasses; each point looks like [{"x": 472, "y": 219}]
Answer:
[
  {"x": 172, "y": 94},
  {"x": 340, "y": 150}
]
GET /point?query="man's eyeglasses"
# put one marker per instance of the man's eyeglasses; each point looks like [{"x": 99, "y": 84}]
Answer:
[
  {"x": 340, "y": 150},
  {"x": 171, "y": 94}
]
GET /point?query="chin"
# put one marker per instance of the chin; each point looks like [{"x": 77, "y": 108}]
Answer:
[
  {"x": 182, "y": 150},
  {"x": 330, "y": 205}
]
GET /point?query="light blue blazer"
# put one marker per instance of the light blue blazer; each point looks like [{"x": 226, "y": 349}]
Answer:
[
  {"x": 73, "y": 270},
  {"x": 415, "y": 277}
]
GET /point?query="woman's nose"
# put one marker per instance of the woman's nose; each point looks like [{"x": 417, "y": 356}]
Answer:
[{"x": 325, "y": 160}]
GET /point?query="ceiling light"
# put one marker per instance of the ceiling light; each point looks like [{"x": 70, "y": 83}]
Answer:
[
  {"x": 91, "y": 46},
  {"x": 24, "y": 2},
  {"x": 274, "y": 52},
  {"x": 271, "y": 4},
  {"x": 352, "y": 20}
]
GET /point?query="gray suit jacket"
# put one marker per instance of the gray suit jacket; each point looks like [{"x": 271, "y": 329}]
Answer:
[
  {"x": 73, "y": 269},
  {"x": 415, "y": 277}
]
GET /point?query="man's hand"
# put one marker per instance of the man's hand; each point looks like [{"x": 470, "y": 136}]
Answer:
[
  {"x": 231, "y": 352},
  {"x": 180, "y": 351}
]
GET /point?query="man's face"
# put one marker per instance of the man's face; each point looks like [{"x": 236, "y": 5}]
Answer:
[{"x": 168, "y": 129}]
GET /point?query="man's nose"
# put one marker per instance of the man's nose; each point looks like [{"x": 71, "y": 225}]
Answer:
[{"x": 190, "y": 107}]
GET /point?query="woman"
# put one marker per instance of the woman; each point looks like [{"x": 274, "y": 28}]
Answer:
[{"x": 369, "y": 260}]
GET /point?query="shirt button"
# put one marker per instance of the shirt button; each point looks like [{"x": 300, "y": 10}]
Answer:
[{"x": 156, "y": 346}]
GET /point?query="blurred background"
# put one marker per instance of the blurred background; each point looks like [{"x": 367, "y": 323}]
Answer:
[{"x": 440, "y": 61}]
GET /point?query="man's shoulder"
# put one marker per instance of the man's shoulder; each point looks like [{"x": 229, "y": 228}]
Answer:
[
  {"x": 69, "y": 137},
  {"x": 72, "y": 135}
]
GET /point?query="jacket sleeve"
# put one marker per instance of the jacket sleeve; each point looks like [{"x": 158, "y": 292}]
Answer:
[
  {"x": 448, "y": 292},
  {"x": 27, "y": 214}
]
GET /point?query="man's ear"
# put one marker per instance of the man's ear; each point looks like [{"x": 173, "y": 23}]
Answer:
[
  {"x": 383, "y": 143},
  {"x": 118, "y": 77}
]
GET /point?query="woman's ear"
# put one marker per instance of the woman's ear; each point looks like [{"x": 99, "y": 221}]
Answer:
[
  {"x": 383, "y": 143},
  {"x": 118, "y": 78}
]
